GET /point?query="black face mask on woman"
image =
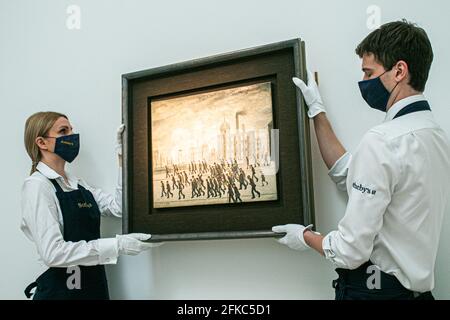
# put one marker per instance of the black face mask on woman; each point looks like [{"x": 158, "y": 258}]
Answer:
[{"x": 67, "y": 147}]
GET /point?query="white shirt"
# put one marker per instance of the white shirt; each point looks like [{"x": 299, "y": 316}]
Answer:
[
  {"x": 42, "y": 221},
  {"x": 397, "y": 183}
]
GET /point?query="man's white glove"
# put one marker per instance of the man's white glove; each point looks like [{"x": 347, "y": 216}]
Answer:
[
  {"x": 131, "y": 244},
  {"x": 311, "y": 95},
  {"x": 119, "y": 138},
  {"x": 294, "y": 235}
]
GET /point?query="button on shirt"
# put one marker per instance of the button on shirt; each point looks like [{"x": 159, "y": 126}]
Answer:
[
  {"x": 42, "y": 220},
  {"x": 397, "y": 185}
]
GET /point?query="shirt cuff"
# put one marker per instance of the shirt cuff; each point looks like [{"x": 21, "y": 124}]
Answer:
[
  {"x": 338, "y": 172},
  {"x": 327, "y": 247},
  {"x": 108, "y": 251}
]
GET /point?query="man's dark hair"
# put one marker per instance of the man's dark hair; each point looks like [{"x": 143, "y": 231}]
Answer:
[{"x": 401, "y": 40}]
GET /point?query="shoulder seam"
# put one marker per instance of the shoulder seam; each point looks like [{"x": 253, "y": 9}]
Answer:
[{"x": 47, "y": 184}]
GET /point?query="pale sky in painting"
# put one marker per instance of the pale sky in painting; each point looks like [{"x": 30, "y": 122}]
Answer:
[{"x": 190, "y": 121}]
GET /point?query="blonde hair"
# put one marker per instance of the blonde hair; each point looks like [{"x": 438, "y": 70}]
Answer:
[{"x": 38, "y": 125}]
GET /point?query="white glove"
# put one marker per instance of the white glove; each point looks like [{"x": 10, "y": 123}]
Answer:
[
  {"x": 294, "y": 235},
  {"x": 119, "y": 137},
  {"x": 131, "y": 244},
  {"x": 311, "y": 95}
]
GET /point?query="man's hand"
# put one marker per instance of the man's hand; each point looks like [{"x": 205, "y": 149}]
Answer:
[
  {"x": 330, "y": 147},
  {"x": 311, "y": 95},
  {"x": 294, "y": 235}
]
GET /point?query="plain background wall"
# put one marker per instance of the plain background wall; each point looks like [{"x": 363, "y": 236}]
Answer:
[{"x": 44, "y": 65}]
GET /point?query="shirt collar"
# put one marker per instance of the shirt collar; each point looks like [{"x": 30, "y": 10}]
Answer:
[
  {"x": 52, "y": 174},
  {"x": 399, "y": 105}
]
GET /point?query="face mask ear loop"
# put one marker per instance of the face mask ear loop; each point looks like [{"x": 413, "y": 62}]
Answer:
[
  {"x": 394, "y": 88},
  {"x": 390, "y": 93}
]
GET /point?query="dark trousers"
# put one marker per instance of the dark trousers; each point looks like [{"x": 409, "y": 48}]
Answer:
[{"x": 352, "y": 285}]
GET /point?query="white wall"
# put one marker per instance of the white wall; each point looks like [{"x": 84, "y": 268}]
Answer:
[{"x": 43, "y": 65}]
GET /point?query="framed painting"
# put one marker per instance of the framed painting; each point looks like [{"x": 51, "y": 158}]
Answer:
[{"x": 219, "y": 147}]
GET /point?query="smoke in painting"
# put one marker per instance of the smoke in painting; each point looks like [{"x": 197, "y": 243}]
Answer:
[{"x": 213, "y": 147}]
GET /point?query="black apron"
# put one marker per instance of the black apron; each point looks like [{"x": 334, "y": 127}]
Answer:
[
  {"x": 352, "y": 284},
  {"x": 81, "y": 221}
]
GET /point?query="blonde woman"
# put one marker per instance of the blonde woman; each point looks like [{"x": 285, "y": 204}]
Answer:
[{"x": 61, "y": 215}]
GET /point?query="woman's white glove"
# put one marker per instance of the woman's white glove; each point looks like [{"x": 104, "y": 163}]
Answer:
[
  {"x": 119, "y": 138},
  {"x": 131, "y": 244},
  {"x": 311, "y": 95}
]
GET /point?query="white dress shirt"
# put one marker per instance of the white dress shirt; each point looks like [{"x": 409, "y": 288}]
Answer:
[
  {"x": 42, "y": 220},
  {"x": 397, "y": 182}
]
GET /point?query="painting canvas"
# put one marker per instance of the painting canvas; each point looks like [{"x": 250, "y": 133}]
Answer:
[{"x": 213, "y": 147}]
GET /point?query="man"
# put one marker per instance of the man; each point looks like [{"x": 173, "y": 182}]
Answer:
[
  {"x": 254, "y": 191},
  {"x": 168, "y": 192},
  {"x": 167, "y": 171},
  {"x": 174, "y": 183},
  {"x": 396, "y": 180},
  {"x": 237, "y": 194},
  {"x": 254, "y": 177},
  {"x": 180, "y": 190},
  {"x": 230, "y": 193},
  {"x": 194, "y": 188},
  {"x": 263, "y": 180},
  {"x": 242, "y": 182},
  {"x": 163, "y": 191}
]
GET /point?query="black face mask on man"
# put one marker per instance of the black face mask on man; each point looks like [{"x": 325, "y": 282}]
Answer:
[{"x": 375, "y": 93}]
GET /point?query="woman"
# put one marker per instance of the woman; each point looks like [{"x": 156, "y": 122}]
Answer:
[{"x": 61, "y": 215}]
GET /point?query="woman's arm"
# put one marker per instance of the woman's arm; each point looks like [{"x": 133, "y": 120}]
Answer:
[
  {"x": 108, "y": 204},
  {"x": 40, "y": 224},
  {"x": 111, "y": 205}
]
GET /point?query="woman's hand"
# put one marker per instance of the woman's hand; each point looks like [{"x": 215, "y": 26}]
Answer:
[
  {"x": 133, "y": 243},
  {"x": 119, "y": 143}
]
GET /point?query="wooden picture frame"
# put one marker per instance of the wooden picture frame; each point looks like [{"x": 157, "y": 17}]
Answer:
[{"x": 275, "y": 63}]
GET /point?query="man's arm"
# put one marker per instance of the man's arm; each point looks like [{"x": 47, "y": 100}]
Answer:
[
  {"x": 369, "y": 195},
  {"x": 358, "y": 207},
  {"x": 372, "y": 180},
  {"x": 314, "y": 241},
  {"x": 330, "y": 147},
  {"x": 333, "y": 153}
]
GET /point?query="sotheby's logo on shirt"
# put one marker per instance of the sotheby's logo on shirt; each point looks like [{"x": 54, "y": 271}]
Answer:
[{"x": 363, "y": 189}]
